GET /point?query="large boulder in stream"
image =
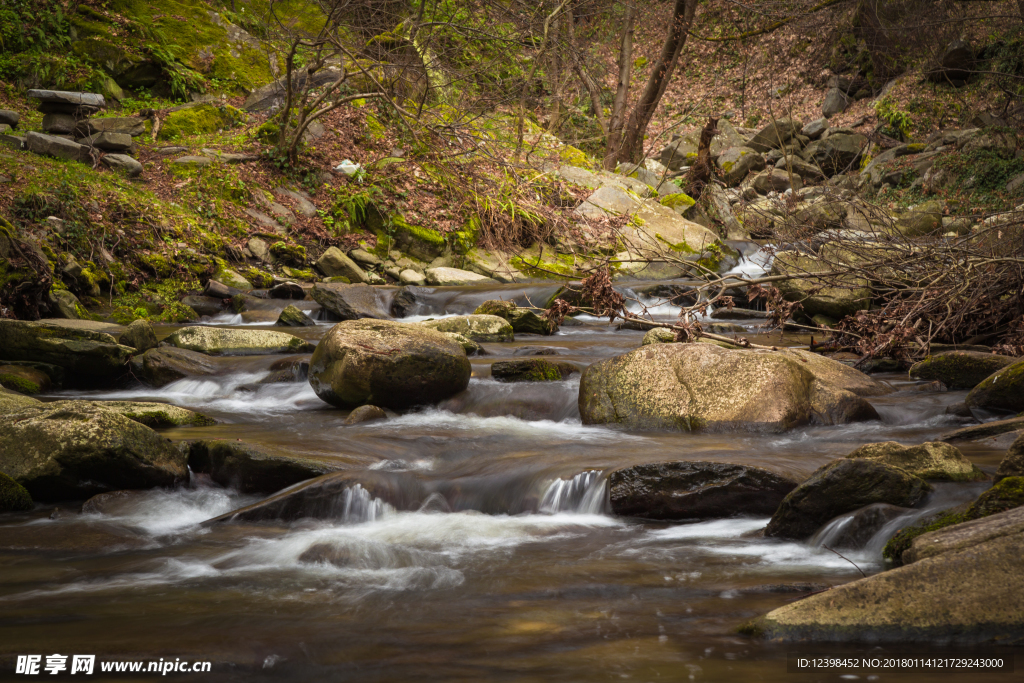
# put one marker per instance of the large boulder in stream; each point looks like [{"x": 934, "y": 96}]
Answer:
[
  {"x": 161, "y": 366},
  {"x": 934, "y": 460},
  {"x": 87, "y": 356},
  {"x": 702, "y": 387},
  {"x": 479, "y": 328},
  {"x": 843, "y": 485},
  {"x": 1000, "y": 392},
  {"x": 960, "y": 586},
  {"x": 959, "y": 369},
  {"x": 387, "y": 364},
  {"x": 353, "y": 302},
  {"x": 217, "y": 341},
  {"x": 695, "y": 490},
  {"x": 76, "y": 449},
  {"x": 254, "y": 468}
]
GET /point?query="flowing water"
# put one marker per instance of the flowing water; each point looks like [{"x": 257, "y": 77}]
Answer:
[{"x": 508, "y": 569}]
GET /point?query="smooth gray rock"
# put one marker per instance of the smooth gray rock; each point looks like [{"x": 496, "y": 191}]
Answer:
[
  {"x": 52, "y": 146},
  {"x": 113, "y": 142},
  {"x": 122, "y": 163}
]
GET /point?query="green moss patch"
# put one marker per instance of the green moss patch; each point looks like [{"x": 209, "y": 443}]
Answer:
[{"x": 13, "y": 496}]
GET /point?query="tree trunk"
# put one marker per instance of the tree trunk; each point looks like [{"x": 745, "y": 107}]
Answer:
[
  {"x": 630, "y": 142},
  {"x": 615, "y": 123}
]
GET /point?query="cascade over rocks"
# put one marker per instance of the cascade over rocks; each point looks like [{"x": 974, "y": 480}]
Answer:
[
  {"x": 959, "y": 369},
  {"x": 702, "y": 387},
  {"x": 76, "y": 449},
  {"x": 842, "y": 486},
  {"x": 695, "y": 490},
  {"x": 387, "y": 364}
]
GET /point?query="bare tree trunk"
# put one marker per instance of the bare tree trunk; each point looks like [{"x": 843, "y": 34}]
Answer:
[
  {"x": 593, "y": 89},
  {"x": 630, "y": 143},
  {"x": 615, "y": 123}
]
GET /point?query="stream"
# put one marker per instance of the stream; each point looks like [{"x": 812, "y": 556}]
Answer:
[{"x": 512, "y": 570}]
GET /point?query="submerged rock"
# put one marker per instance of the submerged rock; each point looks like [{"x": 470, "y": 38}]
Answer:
[
  {"x": 479, "y": 328},
  {"x": 1002, "y": 391},
  {"x": 696, "y": 387},
  {"x": 388, "y": 364},
  {"x": 933, "y": 460},
  {"x": 365, "y": 414},
  {"x": 254, "y": 468},
  {"x": 77, "y": 449},
  {"x": 843, "y": 486},
  {"x": 695, "y": 490},
  {"x": 166, "y": 364},
  {"x": 215, "y": 341},
  {"x": 532, "y": 370},
  {"x": 959, "y": 369},
  {"x": 333, "y": 496}
]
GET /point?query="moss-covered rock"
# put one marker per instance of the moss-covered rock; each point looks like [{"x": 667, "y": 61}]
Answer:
[
  {"x": 387, "y": 364},
  {"x": 13, "y": 401},
  {"x": 964, "y": 534},
  {"x": 293, "y": 316},
  {"x": 85, "y": 355},
  {"x": 1000, "y": 392},
  {"x": 77, "y": 449},
  {"x": 200, "y": 119},
  {"x": 468, "y": 345},
  {"x": 228, "y": 276},
  {"x": 140, "y": 336},
  {"x": 13, "y": 496},
  {"x": 522, "y": 320},
  {"x": 843, "y": 486},
  {"x": 934, "y": 460},
  {"x": 696, "y": 387},
  {"x": 959, "y": 369},
  {"x": 1008, "y": 493},
  {"x": 153, "y": 415},
  {"x": 532, "y": 370},
  {"x": 479, "y": 328},
  {"x": 215, "y": 341},
  {"x": 1013, "y": 464},
  {"x": 24, "y": 379},
  {"x": 64, "y": 304},
  {"x": 658, "y": 335},
  {"x": 288, "y": 254}
]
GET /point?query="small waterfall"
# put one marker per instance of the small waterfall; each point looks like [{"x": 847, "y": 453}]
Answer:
[
  {"x": 585, "y": 493},
  {"x": 359, "y": 505},
  {"x": 828, "y": 535}
]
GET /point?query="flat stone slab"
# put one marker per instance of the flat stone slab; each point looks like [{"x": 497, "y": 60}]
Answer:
[
  {"x": 114, "y": 142},
  {"x": 129, "y": 125},
  {"x": 229, "y": 157},
  {"x": 123, "y": 164},
  {"x": 9, "y": 117},
  {"x": 53, "y": 146},
  {"x": 302, "y": 203},
  {"x": 192, "y": 161},
  {"x": 12, "y": 141},
  {"x": 88, "y": 99}
]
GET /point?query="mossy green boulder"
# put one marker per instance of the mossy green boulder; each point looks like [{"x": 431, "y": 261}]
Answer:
[
  {"x": 842, "y": 486},
  {"x": 532, "y": 370},
  {"x": 199, "y": 119},
  {"x": 959, "y": 369},
  {"x": 215, "y": 341},
  {"x": 151, "y": 414},
  {"x": 24, "y": 379},
  {"x": 523, "y": 320},
  {"x": 702, "y": 387},
  {"x": 387, "y": 364},
  {"x": 934, "y": 460},
  {"x": 13, "y": 496},
  {"x": 479, "y": 328},
  {"x": 140, "y": 336},
  {"x": 1000, "y": 392},
  {"x": 76, "y": 449},
  {"x": 658, "y": 335},
  {"x": 86, "y": 356}
]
